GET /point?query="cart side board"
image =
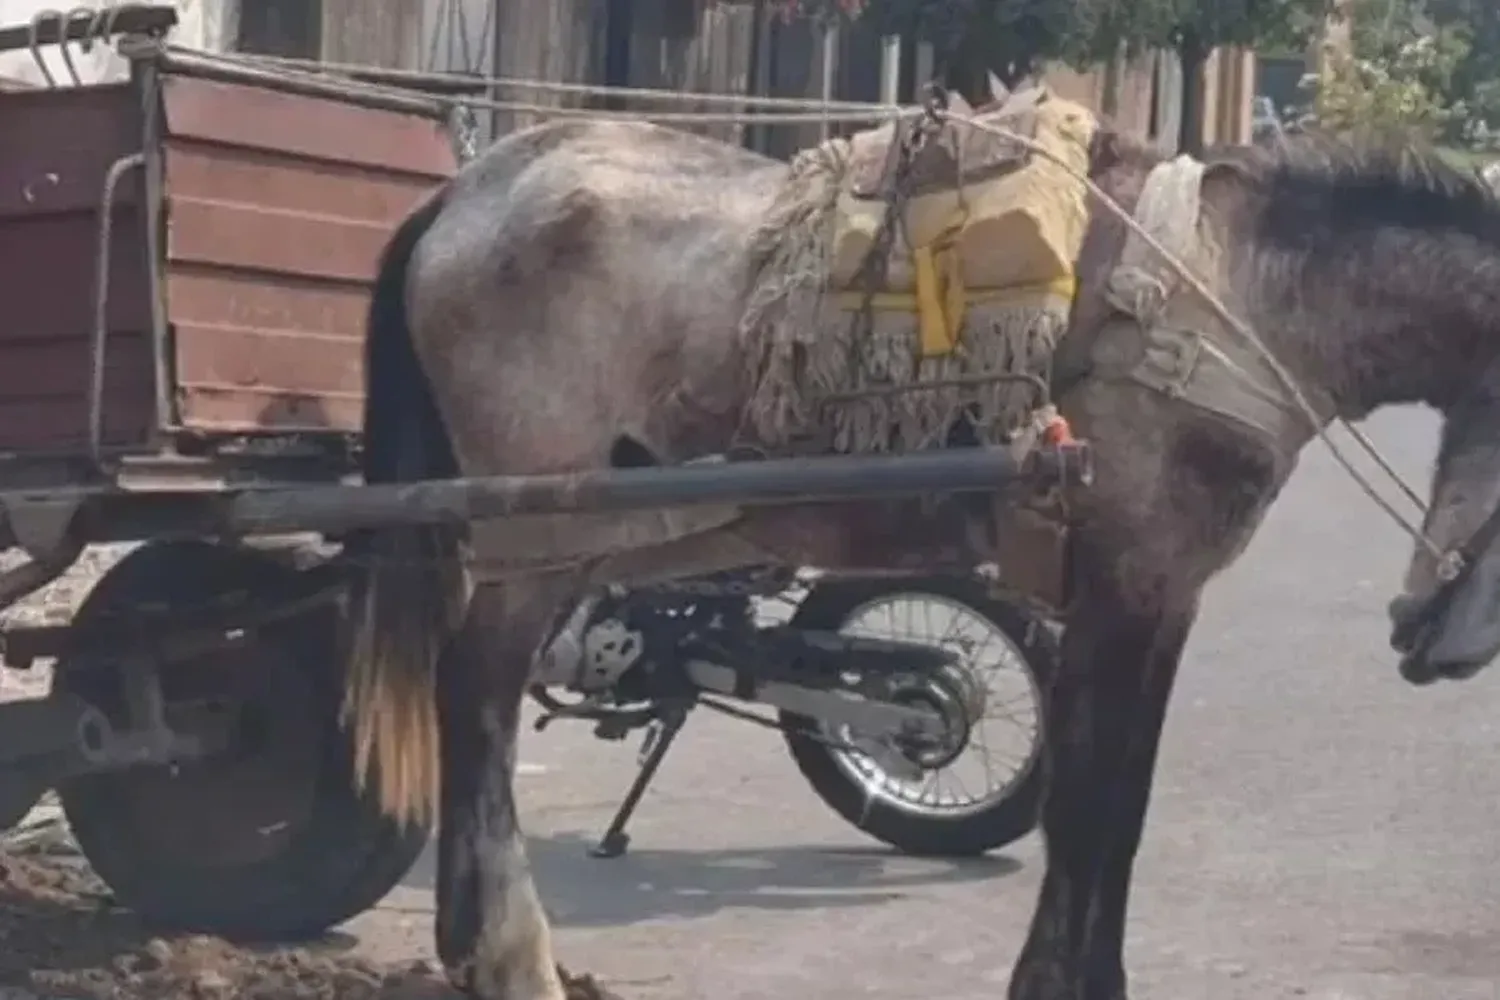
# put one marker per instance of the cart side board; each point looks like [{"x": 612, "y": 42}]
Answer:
[
  {"x": 240, "y": 257},
  {"x": 277, "y": 208},
  {"x": 59, "y": 145}
]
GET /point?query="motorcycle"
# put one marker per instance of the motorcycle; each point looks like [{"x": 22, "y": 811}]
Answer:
[{"x": 881, "y": 688}]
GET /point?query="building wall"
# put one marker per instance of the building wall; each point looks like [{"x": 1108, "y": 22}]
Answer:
[
  {"x": 1133, "y": 90},
  {"x": 1229, "y": 86},
  {"x": 458, "y": 36},
  {"x": 393, "y": 33},
  {"x": 672, "y": 44},
  {"x": 1148, "y": 90},
  {"x": 387, "y": 33},
  {"x": 693, "y": 49}
]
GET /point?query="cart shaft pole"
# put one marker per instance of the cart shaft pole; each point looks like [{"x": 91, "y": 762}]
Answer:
[{"x": 775, "y": 482}]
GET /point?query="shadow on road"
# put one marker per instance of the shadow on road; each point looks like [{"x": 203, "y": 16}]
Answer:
[{"x": 650, "y": 883}]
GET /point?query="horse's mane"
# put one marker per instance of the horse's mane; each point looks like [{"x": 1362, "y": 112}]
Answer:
[{"x": 1315, "y": 184}]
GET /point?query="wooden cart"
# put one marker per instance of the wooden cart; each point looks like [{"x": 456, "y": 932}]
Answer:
[{"x": 185, "y": 260}]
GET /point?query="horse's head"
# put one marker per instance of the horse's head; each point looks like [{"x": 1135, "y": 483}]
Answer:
[{"x": 1447, "y": 622}]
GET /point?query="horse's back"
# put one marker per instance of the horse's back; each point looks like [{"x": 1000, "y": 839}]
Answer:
[
  {"x": 588, "y": 276},
  {"x": 619, "y": 173}
]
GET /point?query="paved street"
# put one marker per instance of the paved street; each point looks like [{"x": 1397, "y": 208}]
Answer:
[{"x": 1320, "y": 829}]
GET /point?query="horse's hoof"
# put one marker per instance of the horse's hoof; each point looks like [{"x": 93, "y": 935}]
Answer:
[{"x": 583, "y": 987}]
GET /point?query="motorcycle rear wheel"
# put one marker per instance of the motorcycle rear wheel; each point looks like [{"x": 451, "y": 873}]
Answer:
[{"x": 902, "y": 813}]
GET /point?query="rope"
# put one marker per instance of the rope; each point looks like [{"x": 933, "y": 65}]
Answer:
[
  {"x": 557, "y": 87},
  {"x": 817, "y": 110},
  {"x": 857, "y": 113},
  {"x": 1242, "y": 330}
]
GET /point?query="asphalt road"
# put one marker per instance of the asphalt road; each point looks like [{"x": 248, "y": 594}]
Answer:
[{"x": 1320, "y": 829}]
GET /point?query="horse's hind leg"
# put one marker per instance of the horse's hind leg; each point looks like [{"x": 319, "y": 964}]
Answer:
[{"x": 492, "y": 933}]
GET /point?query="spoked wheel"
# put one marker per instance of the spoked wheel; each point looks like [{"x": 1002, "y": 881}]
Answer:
[
  {"x": 979, "y": 787},
  {"x": 267, "y": 839}
]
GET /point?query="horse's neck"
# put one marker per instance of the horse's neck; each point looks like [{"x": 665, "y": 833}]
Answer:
[{"x": 1378, "y": 327}]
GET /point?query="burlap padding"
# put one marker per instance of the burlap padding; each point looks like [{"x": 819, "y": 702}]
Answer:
[
  {"x": 1024, "y": 217},
  {"x": 821, "y": 372}
]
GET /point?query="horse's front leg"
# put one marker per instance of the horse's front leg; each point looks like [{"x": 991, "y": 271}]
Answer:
[
  {"x": 492, "y": 933},
  {"x": 1104, "y": 717}
]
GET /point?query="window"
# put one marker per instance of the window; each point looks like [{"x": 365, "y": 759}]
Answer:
[{"x": 292, "y": 29}]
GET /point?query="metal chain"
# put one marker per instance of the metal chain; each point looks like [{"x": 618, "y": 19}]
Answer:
[
  {"x": 465, "y": 125},
  {"x": 873, "y": 269}
]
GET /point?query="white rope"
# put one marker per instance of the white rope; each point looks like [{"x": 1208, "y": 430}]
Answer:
[
  {"x": 860, "y": 115},
  {"x": 853, "y": 113},
  {"x": 440, "y": 78}
]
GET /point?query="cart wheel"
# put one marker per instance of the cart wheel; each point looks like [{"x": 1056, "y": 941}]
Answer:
[
  {"x": 1007, "y": 656},
  {"x": 268, "y": 840}
]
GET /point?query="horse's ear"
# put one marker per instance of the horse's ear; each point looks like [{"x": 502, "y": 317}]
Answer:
[
  {"x": 1106, "y": 149},
  {"x": 998, "y": 91}
]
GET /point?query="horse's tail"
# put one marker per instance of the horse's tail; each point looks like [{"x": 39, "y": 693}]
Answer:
[{"x": 412, "y": 588}]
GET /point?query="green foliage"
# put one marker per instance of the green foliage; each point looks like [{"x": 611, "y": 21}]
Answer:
[
  {"x": 1252, "y": 23},
  {"x": 1399, "y": 75},
  {"x": 1011, "y": 37},
  {"x": 1398, "y": 93},
  {"x": 1015, "y": 37},
  {"x": 1194, "y": 28},
  {"x": 1475, "y": 80}
]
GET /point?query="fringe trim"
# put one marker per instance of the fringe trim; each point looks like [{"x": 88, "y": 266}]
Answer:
[{"x": 800, "y": 348}]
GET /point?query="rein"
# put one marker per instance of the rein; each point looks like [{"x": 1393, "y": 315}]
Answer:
[
  {"x": 1454, "y": 569},
  {"x": 1457, "y": 561}
]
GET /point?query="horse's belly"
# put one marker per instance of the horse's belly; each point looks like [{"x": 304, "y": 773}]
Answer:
[{"x": 509, "y": 547}]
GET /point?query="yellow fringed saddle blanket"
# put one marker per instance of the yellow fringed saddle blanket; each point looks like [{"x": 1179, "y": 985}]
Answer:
[
  {"x": 987, "y": 222},
  {"x": 978, "y": 281}
]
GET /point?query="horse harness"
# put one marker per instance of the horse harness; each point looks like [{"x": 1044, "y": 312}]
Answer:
[{"x": 1166, "y": 339}]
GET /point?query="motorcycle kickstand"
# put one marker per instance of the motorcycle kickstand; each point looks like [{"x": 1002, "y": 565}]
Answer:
[{"x": 659, "y": 737}]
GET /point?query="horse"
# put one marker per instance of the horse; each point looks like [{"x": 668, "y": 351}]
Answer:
[{"x": 572, "y": 299}]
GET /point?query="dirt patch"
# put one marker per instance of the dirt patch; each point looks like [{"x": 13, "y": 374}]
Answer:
[{"x": 61, "y": 938}]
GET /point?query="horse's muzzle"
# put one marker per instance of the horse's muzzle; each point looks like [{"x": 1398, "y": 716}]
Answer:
[
  {"x": 1413, "y": 619},
  {"x": 1420, "y": 671},
  {"x": 1409, "y": 619}
]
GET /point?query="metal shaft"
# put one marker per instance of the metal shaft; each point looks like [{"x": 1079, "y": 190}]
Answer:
[{"x": 749, "y": 484}]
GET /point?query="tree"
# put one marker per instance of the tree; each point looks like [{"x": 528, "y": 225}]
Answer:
[
  {"x": 973, "y": 38},
  {"x": 1194, "y": 28},
  {"x": 1013, "y": 38},
  {"x": 1402, "y": 73},
  {"x": 1394, "y": 93},
  {"x": 1475, "y": 79}
]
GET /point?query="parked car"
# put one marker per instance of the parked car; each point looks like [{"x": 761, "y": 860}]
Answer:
[{"x": 1265, "y": 123}]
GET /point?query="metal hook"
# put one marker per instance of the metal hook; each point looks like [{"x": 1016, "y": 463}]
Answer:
[
  {"x": 108, "y": 23},
  {"x": 80, "y": 13},
  {"x": 34, "y": 42},
  {"x": 97, "y": 26}
]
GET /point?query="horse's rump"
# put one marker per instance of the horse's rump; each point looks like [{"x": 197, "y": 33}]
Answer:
[{"x": 978, "y": 282}]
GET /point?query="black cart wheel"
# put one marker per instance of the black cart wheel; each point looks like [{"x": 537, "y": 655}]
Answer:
[
  {"x": 1007, "y": 656},
  {"x": 268, "y": 840}
]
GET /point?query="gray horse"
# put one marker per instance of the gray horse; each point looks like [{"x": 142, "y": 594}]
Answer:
[{"x": 572, "y": 300}]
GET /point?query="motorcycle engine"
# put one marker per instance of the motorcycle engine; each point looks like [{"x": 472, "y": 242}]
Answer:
[
  {"x": 610, "y": 635},
  {"x": 590, "y": 653}
]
